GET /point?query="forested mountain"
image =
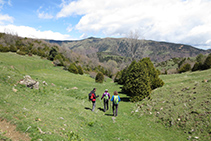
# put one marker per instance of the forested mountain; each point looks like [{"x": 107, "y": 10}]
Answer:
[{"x": 119, "y": 48}]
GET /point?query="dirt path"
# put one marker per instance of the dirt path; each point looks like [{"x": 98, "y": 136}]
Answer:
[{"x": 10, "y": 132}]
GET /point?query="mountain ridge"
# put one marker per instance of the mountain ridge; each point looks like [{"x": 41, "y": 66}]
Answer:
[{"x": 157, "y": 51}]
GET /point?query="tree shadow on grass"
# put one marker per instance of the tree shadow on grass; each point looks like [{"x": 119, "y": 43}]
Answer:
[
  {"x": 87, "y": 108},
  {"x": 125, "y": 99}
]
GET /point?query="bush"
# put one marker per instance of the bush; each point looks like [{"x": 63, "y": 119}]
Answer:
[
  {"x": 153, "y": 74},
  {"x": 4, "y": 49},
  {"x": 140, "y": 78},
  {"x": 80, "y": 70},
  {"x": 73, "y": 69},
  {"x": 13, "y": 48},
  {"x": 58, "y": 60},
  {"x": 137, "y": 83},
  {"x": 197, "y": 66},
  {"x": 207, "y": 62},
  {"x": 21, "y": 53},
  {"x": 185, "y": 68},
  {"x": 99, "y": 77}
]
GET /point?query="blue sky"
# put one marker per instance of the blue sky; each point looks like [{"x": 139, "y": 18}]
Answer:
[{"x": 178, "y": 21}]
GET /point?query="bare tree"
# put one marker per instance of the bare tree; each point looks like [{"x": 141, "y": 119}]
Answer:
[{"x": 133, "y": 42}]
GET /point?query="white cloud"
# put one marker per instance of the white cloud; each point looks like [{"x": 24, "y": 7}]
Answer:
[
  {"x": 69, "y": 28},
  {"x": 5, "y": 18},
  {"x": 3, "y": 2},
  {"x": 84, "y": 35},
  {"x": 45, "y": 15},
  {"x": 174, "y": 21},
  {"x": 33, "y": 33}
]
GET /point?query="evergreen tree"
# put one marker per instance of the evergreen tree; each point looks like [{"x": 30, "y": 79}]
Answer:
[
  {"x": 53, "y": 52},
  {"x": 122, "y": 76},
  {"x": 153, "y": 74},
  {"x": 117, "y": 77},
  {"x": 197, "y": 66},
  {"x": 99, "y": 77},
  {"x": 207, "y": 62},
  {"x": 185, "y": 68},
  {"x": 137, "y": 83},
  {"x": 125, "y": 73},
  {"x": 80, "y": 70}
]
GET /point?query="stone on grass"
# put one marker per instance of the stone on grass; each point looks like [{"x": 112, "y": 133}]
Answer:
[{"x": 29, "y": 82}]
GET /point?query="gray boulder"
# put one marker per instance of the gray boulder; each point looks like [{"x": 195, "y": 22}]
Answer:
[{"x": 29, "y": 82}]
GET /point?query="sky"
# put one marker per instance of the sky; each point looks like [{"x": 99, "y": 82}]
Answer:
[{"x": 177, "y": 21}]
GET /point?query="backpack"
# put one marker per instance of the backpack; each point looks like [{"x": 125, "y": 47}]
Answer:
[
  {"x": 106, "y": 96},
  {"x": 116, "y": 99},
  {"x": 90, "y": 96}
]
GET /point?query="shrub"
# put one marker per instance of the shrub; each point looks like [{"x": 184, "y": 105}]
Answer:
[
  {"x": 207, "y": 62},
  {"x": 58, "y": 60},
  {"x": 4, "y": 49},
  {"x": 197, "y": 66},
  {"x": 153, "y": 74},
  {"x": 137, "y": 83},
  {"x": 13, "y": 48},
  {"x": 80, "y": 70},
  {"x": 21, "y": 53},
  {"x": 73, "y": 69},
  {"x": 140, "y": 78},
  {"x": 185, "y": 68},
  {"x": 99, "y": 77}
]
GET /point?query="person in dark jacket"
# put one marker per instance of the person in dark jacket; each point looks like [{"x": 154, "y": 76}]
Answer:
[
  {"x": 93, "y": 98},
  {"x": 106, "y": 97}
]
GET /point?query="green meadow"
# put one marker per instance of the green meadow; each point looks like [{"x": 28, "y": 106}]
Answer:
[{"x": 61, "y": 110}]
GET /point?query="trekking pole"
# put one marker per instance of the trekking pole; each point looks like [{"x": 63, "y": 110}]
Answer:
[{"x": 101, "y": 101}]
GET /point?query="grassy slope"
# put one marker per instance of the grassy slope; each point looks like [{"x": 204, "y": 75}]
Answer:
[
  {"x": 183, "y": 102},
  {"x": 58, "y": 110}
]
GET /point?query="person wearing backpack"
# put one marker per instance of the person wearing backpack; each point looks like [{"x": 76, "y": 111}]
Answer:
[
  {"x": 106, "y": 97},
  {"x": 115, "y": 99},
  {"x": 93, "y": 98}
]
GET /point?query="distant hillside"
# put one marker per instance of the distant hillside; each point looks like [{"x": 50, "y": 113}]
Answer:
[{"x": 157, "y": 51}]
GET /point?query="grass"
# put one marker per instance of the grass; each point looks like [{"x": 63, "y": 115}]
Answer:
[
  {"x": 62, "y": 113},
  {"x": 183, "y": 102}
]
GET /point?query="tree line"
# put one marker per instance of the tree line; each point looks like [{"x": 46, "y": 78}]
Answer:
[{"x": 73, "y": 62}]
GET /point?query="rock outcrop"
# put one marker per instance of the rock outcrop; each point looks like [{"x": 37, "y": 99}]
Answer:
[{"x": 29, "y": 82}]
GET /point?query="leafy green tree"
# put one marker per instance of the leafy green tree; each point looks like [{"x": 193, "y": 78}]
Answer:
[
  {"x": 73, "y": 69},
  {"x": 53, "y": 52},
  {"x": 80, "y": 70},
  {"x": 207, "y": 62},
  {"x": 200, "y": 58},
  {"x": 58, "y": 60},
  {"x": 13, "y": 48},
  {"x": 181, "y": 62},
  {"x": 99, "y": 77}
]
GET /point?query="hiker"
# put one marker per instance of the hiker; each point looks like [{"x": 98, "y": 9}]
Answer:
[
  {"x": 106, "y": 97},
  {"x": 93, "y": 98},
  {"x": 116, "y": 99}
]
